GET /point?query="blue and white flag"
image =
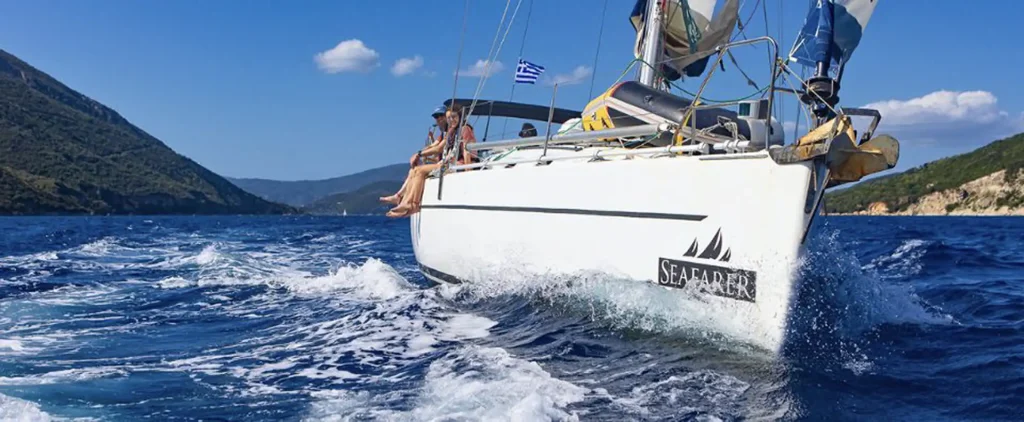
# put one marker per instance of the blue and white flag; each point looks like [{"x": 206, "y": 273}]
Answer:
[{"x": 527, "y": 73}]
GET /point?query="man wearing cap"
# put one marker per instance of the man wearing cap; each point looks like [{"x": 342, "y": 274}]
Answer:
[
  {"x": 433, "y": 150},
  {"x": 433, "y": 145}
]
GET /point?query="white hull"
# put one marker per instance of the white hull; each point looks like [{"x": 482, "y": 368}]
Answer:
[{"x": 637, "y": 219}]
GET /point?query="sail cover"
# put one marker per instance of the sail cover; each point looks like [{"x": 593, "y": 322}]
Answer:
[
  {"x": 832, "y": 31},
  {"x": 691, "y": 33}
]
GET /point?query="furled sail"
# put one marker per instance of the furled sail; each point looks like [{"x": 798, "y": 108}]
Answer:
[
  {"x": 691, "y": 32},
  {"x": 832, "y": 31}
]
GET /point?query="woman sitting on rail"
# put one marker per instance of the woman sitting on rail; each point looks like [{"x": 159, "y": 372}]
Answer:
[{"x": 412, "y": 191}]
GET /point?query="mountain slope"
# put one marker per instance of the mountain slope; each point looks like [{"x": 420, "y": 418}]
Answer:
[
  {"x": 305, "y": 192},
  {"x": 365, "y": 200},
  {"x": 983, "y": 181},
  {"x": 63, "y": 152}
]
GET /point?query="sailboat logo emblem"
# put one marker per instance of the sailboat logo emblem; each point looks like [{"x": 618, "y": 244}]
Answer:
[
  {"x": 711, "y": 251},
  {"x": 717, "y": 280}
]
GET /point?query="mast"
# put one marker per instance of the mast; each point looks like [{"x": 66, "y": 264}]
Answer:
[{"x": 652, "y": 42}]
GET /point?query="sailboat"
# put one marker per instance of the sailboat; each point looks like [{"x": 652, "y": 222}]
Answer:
[{"x": 702, "y": 200}]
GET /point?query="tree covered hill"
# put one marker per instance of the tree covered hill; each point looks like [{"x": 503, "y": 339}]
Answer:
[
  {"x": 904, "y": 190},
  {"x": 62, "y": 152}
]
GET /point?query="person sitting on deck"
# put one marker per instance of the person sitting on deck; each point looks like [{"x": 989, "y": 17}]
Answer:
[
  {"x": 431, "y": 153},
  {"x": 411, "y": 193}
]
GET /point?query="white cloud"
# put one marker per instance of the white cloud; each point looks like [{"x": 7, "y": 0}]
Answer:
[
  {"x": 406, "y": 65},
  {"x": 578, "y": 75},
  {"x": 347, "y": 56},
  {"x": 948, "y": 117},
  {"x": 942, "y": 107},
  {"x": 480, "y": 69}
]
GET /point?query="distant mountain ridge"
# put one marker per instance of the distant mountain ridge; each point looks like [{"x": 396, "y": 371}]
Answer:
[
  {"x": 986, "y": 181},
  {"x": 62, "y": 152},
  {"x": 365, "y": 200},
  {"x": 305, "y": 192}
]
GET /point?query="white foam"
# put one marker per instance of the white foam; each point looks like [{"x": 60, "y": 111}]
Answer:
[
  {"x": 465, "y": 326},
  {"x": 699, "y": 391},
  {"x": 903, "y": 262},
  {"x": 618, "y": 302},
  {"x": 859, "y": 291},
  {"x": 99, "y": 247},
  {"x": 80, "y": 295},
  {"x": 386, "y": 323},
  {"x": 327, "y": 373},
  {"x": 12, "y": 345},
  {"x": 473, "y": 383},
  {"x": 208, "y": 255},
  {"x": 372, "y": 279},
  {"x": 17, "y": 410},
  {"x": 64, "y": 376},
  {"x": 174, "y": 283},
  {"x": 273, "y": 367},
  {"x": 376, "y": 328}
]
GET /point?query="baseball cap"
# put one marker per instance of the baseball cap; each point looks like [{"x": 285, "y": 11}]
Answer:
[{"x": 438, "y": 111}]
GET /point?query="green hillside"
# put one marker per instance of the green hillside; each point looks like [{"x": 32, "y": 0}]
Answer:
[
  {"x": 901, "y": 190},
  {"x": 365, "y": 200},
  {"x": 305, "y": 192},
  {"x": 62, "y": 152}
]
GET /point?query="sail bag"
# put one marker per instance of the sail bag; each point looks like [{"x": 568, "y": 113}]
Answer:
[{"x": 690, "y": 33}]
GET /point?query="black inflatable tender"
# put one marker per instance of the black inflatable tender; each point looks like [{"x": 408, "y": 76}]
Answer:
[{"x": 657, "y": 106}]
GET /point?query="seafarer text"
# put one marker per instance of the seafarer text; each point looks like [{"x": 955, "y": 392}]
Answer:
[{"x": 719, "y": 281}]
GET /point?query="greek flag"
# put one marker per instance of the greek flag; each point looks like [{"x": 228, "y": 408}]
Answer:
[{"x": 527, "y": 73}]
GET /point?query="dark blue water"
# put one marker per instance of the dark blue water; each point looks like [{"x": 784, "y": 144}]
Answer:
[{"x": 302, "y": 318}]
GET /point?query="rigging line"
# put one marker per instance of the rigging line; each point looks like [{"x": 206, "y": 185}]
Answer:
[
  {"x": 491, "y": 59},
  {"x": 787, "y": 70},
  {"x": 781, "y": 40},
  {"x": 526, "y": 29},
  {"x": 462, "y": 43},
  {"x": 522, "y": 47},
  {"x": 673, "y": 85},
  {"x": 593, "y": 71},
  {"x": 487, "y": 71},
  {"x": 796, "y": 126},
  {"x": 743, "y": 25},
  {"x": 768, "y": 33}
]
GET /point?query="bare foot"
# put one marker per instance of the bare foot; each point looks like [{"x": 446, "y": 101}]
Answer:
[
  {"x": 393, "y": 199},
  {"x": 399, "y": 211}
]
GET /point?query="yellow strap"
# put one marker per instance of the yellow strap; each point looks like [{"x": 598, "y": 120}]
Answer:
[{"x": 686, "y": 121}]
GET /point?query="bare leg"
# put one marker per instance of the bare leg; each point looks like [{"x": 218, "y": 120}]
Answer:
[
  {"x": 397, "y": 196},
  {"x": 414, "y": 194}
]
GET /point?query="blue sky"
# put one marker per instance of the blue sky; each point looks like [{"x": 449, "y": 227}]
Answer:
[{"x": 237, "y": 86}]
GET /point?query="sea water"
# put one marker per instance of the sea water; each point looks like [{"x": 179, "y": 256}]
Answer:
[{"x": 317, "y": 318}]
